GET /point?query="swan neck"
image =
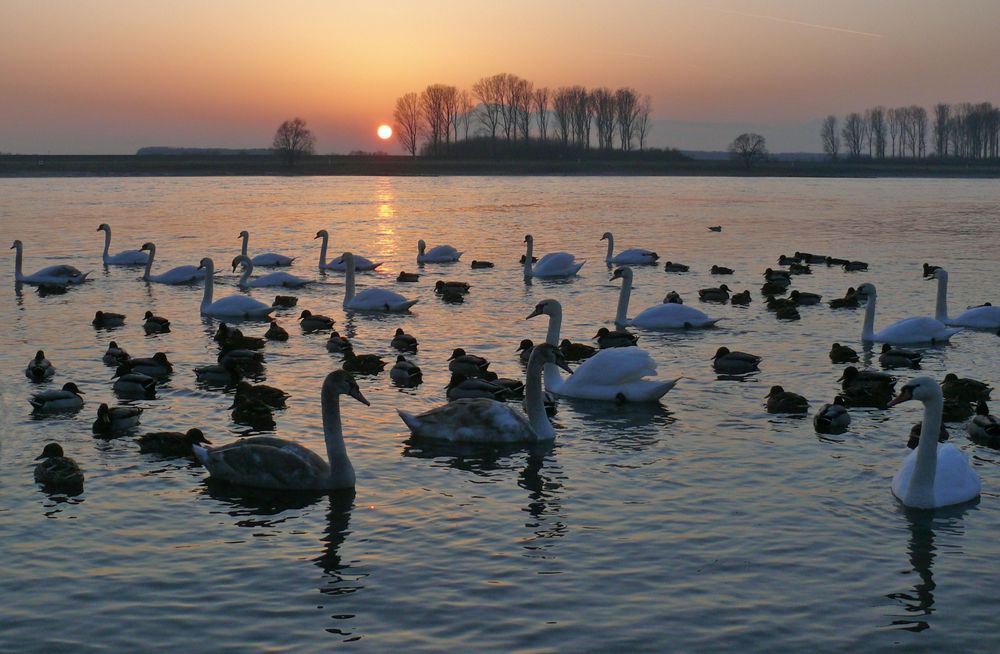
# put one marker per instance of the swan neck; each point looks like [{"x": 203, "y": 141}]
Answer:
[
  {"x": 149, "y": 263},
  {"x": 941, "y": 309},
  {"x": 611, "y": 249},
  {"x": 246, "y": 239},
  {"x": 621, "y": 317},
  {"x": 18, "y": 256},
  {"x": 868, "y": 331},
  {"x": 107, "y": 241},
  {"x": 921, "y": 490},
  {"x": 209, "y": 282},
  {"x": 322, "y": 251},
  {"x": 534, "y": 403},
  {"x": 527, "y": 258},
  {"x": 552, "y": 377},
  {"x": 341, "y": 470}
]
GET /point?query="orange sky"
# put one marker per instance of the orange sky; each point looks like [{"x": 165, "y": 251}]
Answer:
[{"x": 109, "y": 76}]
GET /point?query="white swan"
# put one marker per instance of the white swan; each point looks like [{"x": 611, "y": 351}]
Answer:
[
  {"x": 233, "y": 306},
  {"x": 614, "y": 374},
  {"x": 275, "y": 463},
  {"x": 266, "y": 260},
  {"x": 178, "y": 275},
  {"x": 371, "y": 299},
  {"x": 283, "y": 279},
  {"x": 934, "y": 474},
  {"x": 553, "y": 264},
  {"x": 123, "y": 258},
  {"x": 482, "y": 420},
  {"x": 61, "y": 275},
  {"x": 985, "y": 317},
  {"x": 360, "y": 263},
  {"x": 632, "y": 257},
  {"x": 659, "y": 316},
  {"x": 908, "y": 330},
  {"x": 437, "y": 254}
]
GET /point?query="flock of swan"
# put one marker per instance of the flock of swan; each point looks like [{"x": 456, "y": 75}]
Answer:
[{"x": 934, "y": 474}]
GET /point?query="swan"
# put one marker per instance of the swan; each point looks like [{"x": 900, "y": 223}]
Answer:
[
  {"x": 360, "y": 263},
  {"x": 934, "y": 474},
  {"x": 482, "y": 420},
  {"x": 61, "y": 275},
  {"x": 613, "y": 374},
  {"x": 660, "y": 316},
  {"x": 275, "y": 463},
  {"x": 266, "y": 260},
  {"x": 983, "y": 317},
  {"x": 553, "y": 264},
  {"x": 908, "y": 330},
  {"x": 57, "y": 470},
  {"x": 123, "y": 258},
  {"x": 178, "y": 275},
  {"x": 371, "y": 299},
  {"x": 233, "y": 306},
  {"x": 287, "y": 280},
  {"x": 437, "y": 254},
  {"x": 633, "y": 257}
]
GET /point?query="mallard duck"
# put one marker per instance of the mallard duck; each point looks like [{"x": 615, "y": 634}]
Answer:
[
  {"x": 171, "y": 443},
  {"x": 57, "y": 470},
  {"x": 231, "y": 338},
  {"x": 787, "y": 313},
  {"x": 524, "y": 349},
  {"x": 852, "y": 266},
  {"x": 106, "y": 319},
  {"x": 984, "y": 428},
  {"x": 852, "y": 377},
  {"x": 276, "y": 332},
  {"x": 269, "y": 395},
  {"x": 619, "y": 338},
  {"x": 114, "y": 355},
  {"x": 808, "y": 257},
  {"x": 369, "y": 364},
  {"x": 715, "y": 294},
  {"x": 777, "y": 276},
  {"x": 576, "y": 351},
  {"x": 721, "y": 270},
  {"x": 113, "y": 420},
  {"x": 461, "y": 387},
  {"x": 914, "y": 438},
  {"x": 715, "y": 228},
  {"x": 218, "y": 374},
  {"x": 784, "y": 260},
  {"x": 403, "y": 342},
  {"x": 311, "y": 322},
  {"x": 155, "y": 366},
  {"x": 133, "y": 385},
  {"x": 832, "y": 418},
  {"x": 741, "y": 298},
  {"x": 39, "y": 368},
  {"x": 674, "y": 267},
  {"x": 515, "y": 387},
  {"x": 441, "y": 286},
  {"x": 965, "y": 389},
  {"x": 408, "y": 276},
  {"x": 734, "y": 363},
  {"x": 850, "y": 300},
  {"x": 804, "y": 299},
  {"x": 248, "y": 361},
  {"x": 155, "y": 324},
  {"x": 452, "y": 296},
  {"x": 894, "y": 357},
  {"x": 481, "y": 264},
  {"x": 775, "y": 303},
  {"x": 781, "y": 401},
  {"x": 673, "y": 297},
  {"x": 285, "y": 301},
  {"x": 799, "y": 269},
  {"x": 772, "y": 288},
  {"x": 53, "y": 401},
  {"x": 834, "y": 261},
  {"x": 338, "y": 343},
  {"x": 405, "y": 373},
  {"x": 253, "y": 413},
  {"x": 842, "y": 354},
  {"x": 469, "y": 365}
]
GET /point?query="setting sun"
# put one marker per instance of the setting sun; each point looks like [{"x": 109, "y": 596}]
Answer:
[{"x": 384, "y": 132}]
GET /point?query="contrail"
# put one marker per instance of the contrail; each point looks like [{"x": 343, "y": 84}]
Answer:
[{"x": 797, "y": 22}]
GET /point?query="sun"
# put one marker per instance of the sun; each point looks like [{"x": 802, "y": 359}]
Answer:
[{"x": 384, "y": 132}]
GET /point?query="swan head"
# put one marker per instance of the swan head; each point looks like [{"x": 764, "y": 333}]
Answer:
[
  {"x": 548, "y": 307},
  {"x": 103, "y": 227},
  {"x": 621, "y": 273},
  {"x": 322, "y": 234},
  {"x": 922, "y": 389},
  {"x": 528, "y": 238},
  {"x": 51, "y": 451},
  {"x": 939, "y": 274},
  {"x": 866, "y": 289},
  {"x": 239, "y": 259},
  {"x": 148, "y": 246},
  {"x": 421, "y": 246},
  {"x": 546, "y": 353},
  {"x": 244, "y": 234},
  {"x": 340, "y": 382},
  {"x": 17, "y": 245},
  {"x": 607, "y": 235},
  {"x": 206, "y": 263}
]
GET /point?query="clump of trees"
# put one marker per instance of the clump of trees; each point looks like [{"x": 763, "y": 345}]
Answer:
[
  {"x": 964, "y": 131},
  {"x": 293, "y": 140},
  {"x": 748, "y": 147},
  {"x": 505, "y": 110}
]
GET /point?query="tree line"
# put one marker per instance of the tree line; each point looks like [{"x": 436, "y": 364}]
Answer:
[
  {"x": 506, "y": 110},
  {"x": 964, "y": 131}
]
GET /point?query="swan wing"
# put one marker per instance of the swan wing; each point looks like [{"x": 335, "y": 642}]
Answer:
[
  {"x": 179, "y": 275},
  {"x": 916, "y": 330},
  {"x": 444, "y": 252},
  {"x": 672, "y": 316},
  {"x": 127, "y": 258},
  {"x": 556, "y": 264},
  {"x": 612, "y": 367},
  {"x": 266, "y": 462},
  {"x": 475, "y": 420},
  {"x": 272, "y": 259},
  {"x": 635, "y": 256},
  {"x": 360, "y": 263},
  {"x": 379, "y": 299},
  {"x": 978, "y": 318},
  {"x": 278, "y": 279},
  {"x": 238, "y": 306},
  {"x": 955, "y": 481}
]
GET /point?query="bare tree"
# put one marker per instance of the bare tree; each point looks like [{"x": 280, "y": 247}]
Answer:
[
  {"x": 748, "y": 148},
  {"x": 488, "y": 91},
  {"x": 540, "y": 105},
  {"x": 877, "y": 131},
  {"x": 583, "y": 114},
  {"x": 293, "y": 140},
  {"x": 626, "y": 113},
  {"x": 894, "y": 123},
  {"x": 942, "y": 117},
  {"x": 829, "y": 137},
  {"x": 603, "y": 102},
  {"x": 435, "y": 116},
  {"x": 466, "y": 109},
  {"x": 642, "y": 120},
  {"x": 918, "y": 117},
  {"x": 853, "y": 132},
  {"x": 522, "y": 99},
  {"x": 407, "y": 118},
  {"x": 562, "y": 107}
]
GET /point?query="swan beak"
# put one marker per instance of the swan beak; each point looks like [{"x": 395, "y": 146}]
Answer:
[
  {"x": 356, "y": 394},
  {"x": 536, "y": 312},
  {"x": 904, "y": 395}
]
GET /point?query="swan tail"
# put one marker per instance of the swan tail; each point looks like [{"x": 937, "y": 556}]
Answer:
[
  {"x": 404, "y": 306},
  {"x": 201, "y": 454},
  {"x": 411, "y": 420}
]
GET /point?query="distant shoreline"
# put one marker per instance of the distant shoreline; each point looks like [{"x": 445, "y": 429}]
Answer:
[{"x": 341, "y": 165}]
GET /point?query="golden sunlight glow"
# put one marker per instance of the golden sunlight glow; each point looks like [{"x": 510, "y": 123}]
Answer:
[{"x": 384, "y": 132}]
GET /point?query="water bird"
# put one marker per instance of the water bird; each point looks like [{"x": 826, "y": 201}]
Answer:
[
  {"x": 267, "y": 259},
  {"x": 984, "y": 428},
  {"x": 832, "y": 418},
  {"x": 553, "y": 264},
  {"x": 54, "y": 401},
  {"x": 312, "y": 322},
  {"x": 39, "y": 368},
  {"x": 441, "y": 286},
  {"x": 437, "y": 254},
  {"x": 360, "y": 263},
  {"x": 269, "y": 395},
  {"x": 842, "y": 354},
  {"x": 114, "y": 420},
  {"x": 781, "y": 401},
  {"x": 611, "y": 339},
  {"x": 985, "y": 316},
  {"x": 172, "y": 443},
  {"x": 285, "y": 301},
  {"x": 279, "y": 278},
  {"x": 672, "y": 266},
  {"x": 787, "y": 313},
  {"x": 714, "y": 294},
  {"x": 799, "y": 269},
  {"x": 801, "y": 298},
  {"x": 906, "y": 331},
  {"x": 57, "y": 470},
  {"x": 742, "y": 299},
  {"x": 721, "y": 270},
  {"x": 481, "y": 264},
  {"x": 372, "y": 299},
  {"x": 852, "y": 266},
  {"x": 218, "y": 374},
  {"x": 155, "y": 366},
  {"x": 133, "y": 385},
  {"x": 849, "y": 301},
  {"x": 123, "y": 258},
  {"x": 782, "y": 277},
  {"x": 808, "y": 257},
  {"x": 232, "y": 306},
  {"x": 929, "y": 270},
  {"x": 248, "y": 361},
  {"x": 114, "y": 355},
  {"x": 631, "y": 257},
  {"x": 153, "y": 324},
  {"x": 405, "y": 373},
  {"x": 403, "y": 342},
  {"x": 914, "y": 439},
  {"x": 452, "y": 296},
  {"x": 338, "y": 343},
  {"x": 576, "y": 351},
  {"x": 51, "y": 276},
  {"x": 673, "y": 297},
  {"x": 784, "y": 260},
  {"x": 232, "y": 338},
  {"x": 524, "y": 349},
  {"x": 469, "y": 365},
  {"x": 368, "y": 364},
  {"x": 276, "y": 332},
  {"x": 460, "y": 387},
  {"x": 108, "y": 319},
  {"x": 658, "y": 316},
  {"x": 253, "y": 413},
  {"x": 894, "y": 357},
  {"x": 772, "y": 288},
  {"x": 730, "y": 362},
  {"x": 834, "y": 261},
  {"x": 715, "y": 228},
  {"x": 174, "y": 276},
  {"x": 407, "y": 276},
  {"x": 964, "y": 389}
]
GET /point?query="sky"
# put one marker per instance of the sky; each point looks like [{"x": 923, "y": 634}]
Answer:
[{"x": 111, "y": 76}]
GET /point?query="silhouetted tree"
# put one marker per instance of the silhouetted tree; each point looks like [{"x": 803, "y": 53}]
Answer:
[
  {"x": 853, "y": 133},
  {"x": 408, "y": 120},
  {"x": 942, "y": 118},
  {"x": 583, "y": 113},
  {"x": 626, "y": 113},
  {"x": 488, "y": 90},
  {"x": 433, "y": 111},
  {"x": 293, "y": 140},
  {"x": 642, "y": 125},
  {"x": 521, "y": 98},
  {"x": 540, "y": 105},
  {"x": 562, "y": 107},
  {"x": 829, "y": 137},
  {"x": 876, "y": 131},
  {"x": 466, "y": 109},
  {"x": 603, "y": 102},
  {"x": 748, "y": 148}
]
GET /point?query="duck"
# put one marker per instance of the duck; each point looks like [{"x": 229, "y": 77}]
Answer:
[
  {"x": 785, "y": 260},
  {"x": 964, "y": 389},
  {"x": 906, "y": 331},
  {"x": 360, "y": 262},
  {"x": 721, "y": 270},
  {"x": 776, "y": 303},
  {"x": 372, "y": 299},
  {"x": 484, "y": 420},
  {"x": 338, "y": 343},
  {"x": 673, "y": 297},
  {"x": 133, "y": 385},
  {"x": 407, "y": 276},
  {"x": 405, "y": 373},
  {"x": 842, "y": 354},
  {"x": 219, "y": 374},
  {"x": 984, "y": 428},
  {"x": 284, "y": 301},
  {"x": 615, "y": 374},
  {"x": 894, "y": 357},
  {"x": 155, "y": 324},
  {"x": 832, "y": 418},
  {"x": 481, "y": 264},
  {"x": 172, "y": 443},
  {"x": 253, "y": 413},
  {"x": 403, "y": 342},
  {"x": 611, "y": 339},
  {"x": 956, "y": 410},
  {"x": 808, "y": 257},
  {"x": 715, "y": 294},
  {"x": 849, "y": 301},
  {"x": 232, "y": 306},
  {"x": 576, "y": 351},
  {"x": 54, "y": 401},
  {"x": 232, "y": 338},
  {"x": 174, "y": 276},
  {"x": 799, "y": 269},
  {"x": 659, "y": 316},
  {"x": 246, "y": 360},
  {"x": 461, "y": 387},
  {"x": 773, "y": 288},
  {"x": 934, "y": 474},
  {"x": 155, "y": 366},
  {"x": 631, "y": 257},
  {"x": 276, "y": 332},
  {"x": 437, "y": 254},
  {"x": 469, "y": 365},
  {"x": 781, "y": 401},
  {"x": 834, "y": 261},
  {"x": 114, "y": 355},
  {"x": 108, "y": 319},
  {"x": 54, "y": 276},
  {"x": 452, "y": 296},
  {"x": 675, "y": 267},
  {"x": 914, "y": 439},
  {"x": 524, "y": 349},
  {"x": 280, "y": 278},
  {"x": 441, "y": 286},
  {"x": 114, "y": 420},
  {"x": 741, "y": 299},
  {"x": 39, "y": 368},
  {"x": 729, "y": 362},
  {"x": 853, "y": 266},
  {"x": 368, "y": 364},
  {"x": 123, "y": 258},
  {"x": 852, "y": 377},
  {"x": 269, "y": 395},
  {"x": 787, "y": 313},
  {"x": 715, "y": 228},
  {"x": 985, "y": 316},
  {"x": 782, "y": 277},
  {"x": 313, "y": 322},
  {"x": 279, "y": 464},
  {"x": 553, "y": 264},
  {"x": 801, "y": 298},
  {"x": 266, "y": 260},
  {"x": 57, "y": 470}
]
